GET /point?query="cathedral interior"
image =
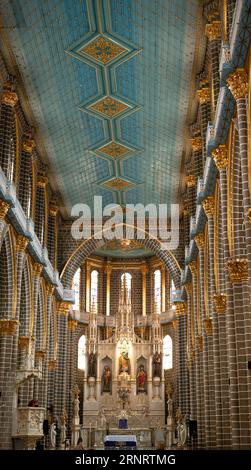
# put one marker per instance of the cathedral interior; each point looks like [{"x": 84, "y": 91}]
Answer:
[{"x": 106, "y": 105}]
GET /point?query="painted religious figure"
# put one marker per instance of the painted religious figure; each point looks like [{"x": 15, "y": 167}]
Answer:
[
  {"x": 92, "y": 365},
  {"x": 141, "y": 379},
  {"x": 157, "y": 365},
  {"x": 124, "y": 363},
  {"x": 107, "y": 380}
]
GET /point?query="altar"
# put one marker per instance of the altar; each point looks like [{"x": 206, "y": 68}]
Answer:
[{"x": 95, "y": 438}]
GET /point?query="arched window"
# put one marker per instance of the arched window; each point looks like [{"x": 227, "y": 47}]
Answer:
[
  {"x": 157, "y": 290},
  {"x": 94, "y": 288},
  {"x": 126, "y": 280},
  {"x": 167, "y": 352},
  {"x": 81, "y": 352},
  {"x": 76, "y": 288}
]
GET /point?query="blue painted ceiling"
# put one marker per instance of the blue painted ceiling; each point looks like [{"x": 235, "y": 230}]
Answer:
[{"x": 108, "y": 83}]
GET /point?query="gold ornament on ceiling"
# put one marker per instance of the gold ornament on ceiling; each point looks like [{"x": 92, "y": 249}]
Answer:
[
  {"x": 103, "y": 50},
  {"x": 109, "y": 107},
  {"x": 114, "y": 149},
  {"x": 117, "y": 184}
]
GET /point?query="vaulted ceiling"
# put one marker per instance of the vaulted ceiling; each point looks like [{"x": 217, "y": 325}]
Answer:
[{"x": 108, "y": 83}]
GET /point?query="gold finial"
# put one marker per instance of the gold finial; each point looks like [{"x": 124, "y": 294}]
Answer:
[
  {"x": 200, "y": 240},
  {"x": 8, "y": 327},
  {"x": 53, "y": 210},
  {"x": 238, "y": 83},
  {"x": 213, "y": 30},
  {"x": 238, "y": 269},
  {"x": 220, "y": 303},
  {"x": 4, "y": 207},
  {"x": 209, "y": 205},
  {"x": 193, "y": 267},
  {"x": 203, "y": 95},
  {"x": 220, "y": 156},
  {"x": 208, "y": 326},
  {"x": 21, "y": 242},
  {"x": 190, "y": 181},
  {"x": 196, "y": 144}
]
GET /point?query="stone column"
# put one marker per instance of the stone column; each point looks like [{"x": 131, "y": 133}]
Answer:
[
  {"x": 61, "y": 396},
  {"x": 71, "y": 364},
  {"x": 213, "y": 33},
  {"x": 193, "y": 367},
  {"x": 204, "y": 101},
  {"x": 9, "y": 100}
]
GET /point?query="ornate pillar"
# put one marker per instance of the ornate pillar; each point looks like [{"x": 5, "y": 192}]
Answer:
[
  {"x": 61, "y": 396},
  {"x": 9, "y": 100},
  {"x": 193, "y": 357},
  {"x": 213, "y": 33},
  {"x": 72, "y": 339},
  {"x": 204, "y": 101},
  {"x": 187, "y": 340}
]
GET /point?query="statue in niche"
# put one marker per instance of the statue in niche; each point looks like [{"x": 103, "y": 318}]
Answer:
[
  {"x": 157, "y": 365},
  {"x": 92, "y": 365},
  {"x": 107, "y": 380},
  {"x": 141, "y": 379},
  {"x": 124, "y": 363},
  {"x": 53, "y": 435}
]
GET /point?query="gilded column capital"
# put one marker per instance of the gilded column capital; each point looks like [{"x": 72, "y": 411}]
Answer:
[
  {"x": 4, "y": 207},
  {"x": 200, "y": 343},
  {"x": 208, "y": 326},
  {"x": 209, "y": 205},
  {"x": 190, "y": 181},
  {"x": 196, "y": 143},
  {"x": 37, "y": 269},
  {"x": 200, "y": 240},
  {"x": 42, "y": 181},
  {"x": 23, "y": 342},
  {"x": 193, "y": 267},
  {"x": 213, "y": 30},
  {"x": 52, "y": 365},
  {"x": 21, "y": 242},
  {"x": 9, "y": 98},
  {"x": 220, "y": 303},
  {"x": 64, "y": 307},
  {"x": 28, "y": 144},
  {"x": 8, "y": 327},
  {"x": 204, "y": 95},
  {"x": 53, "y": 209},
  {"x": 238, "y": 83},
  {"x": 238, "y": 269},
  {"x": 72, "y": 324},
  {"x": 220, "y": 156},
  {"x": 40, "y": 355},
  {"x": 248, "y": 214},
  {"x": 180, "y": 308},
  {"x": 49, "y": 289},
  {"x": 189, "y": 287}
]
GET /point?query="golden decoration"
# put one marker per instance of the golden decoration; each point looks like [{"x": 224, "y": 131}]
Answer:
[
  {"x": 37, "y": 269},
  {"x": 248, "y": 214},
  {"x": 114, "y": 149},
  {"x": 109, "y": 107},
  {"x": 28, "y": 144},
  {"x": 4, "y": 207},
  {"x": 238, "y": 83},
  {"x": 200, "y": 343},
  {"x": 196, "y": 144},
  {"x": 8, "y": 327},
  {"x": 103, "y": 50},
  {"x": 180, "y": 308},
  {"x": 220, "y": 303},
  {"x": 72, "y": 324},
  {"x": 190, "y": 181},
  {"x": 118, "y": 184},
  {"x": 238, "y": 269},
  {"x": 203, "y": 95},
  {"x": 200, "y": 240},
  {"x": 23, "y": 342},
  {"x": 209, "y": 205},
  {"x": 21, "y": 242},
  {"x": 189, "y": 287},
  {"x": 9, "y": 98},
  {"x": 40, "y": 354},
  {"x": 53, "y": 210},
  {"x": 208, "y": 326},
  {"x": 49, "y": 289},
  {"x": 52, "y": 365},
  {"x": 42, "y": 181},
  {"x": 213, "y": 30},
  {"x": 64, "y": 307},
  {"x": 122, "y": 244},
  {"x": 220, "y": 156},
  {"x": 193, "y": 267}
]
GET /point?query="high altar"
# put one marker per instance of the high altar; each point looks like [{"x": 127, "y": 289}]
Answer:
[{"x": 124, "y": 386}]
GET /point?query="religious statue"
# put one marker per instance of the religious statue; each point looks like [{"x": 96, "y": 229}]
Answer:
[
  {"x": 124, "y": 363},
  {"x": 103, "y": 420},
  {"x": 92, "y": 365},
  {"x": 62, "y": 427},
  {"x": 76, "y": 392},
  {"x": 107, "y": 380},
  {"x": 53, "y": 435},
  {"x": 157, "y": 365},
  {"x": 141, "y": 379}
]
